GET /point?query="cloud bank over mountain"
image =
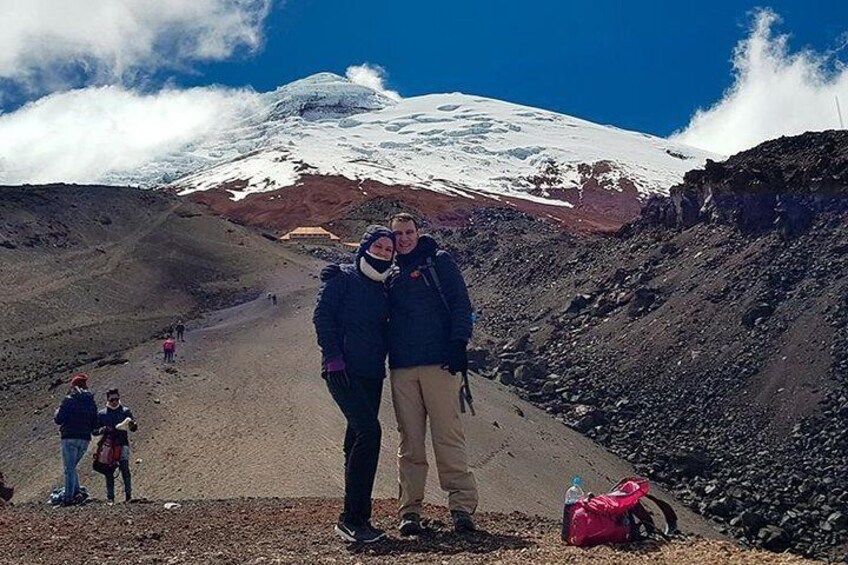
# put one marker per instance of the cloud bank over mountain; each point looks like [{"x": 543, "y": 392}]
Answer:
[{"x": 775, "y": 92}]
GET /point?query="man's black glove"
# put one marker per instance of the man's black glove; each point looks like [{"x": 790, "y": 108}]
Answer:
[
  {"x": 457, "y": 357},
  {"x": 337, "y": 379}
]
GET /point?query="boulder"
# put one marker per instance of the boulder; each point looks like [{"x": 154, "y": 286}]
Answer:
[
  {"x": 642, "y": 302},
  {"x": 757, "y": 313},
  {"x": 774, "y": 538},
  {"x": 578, "y": 303},
  {"x": 750, "y": 521},
  {"x": 836, "y": 522},
  {"x": 506, "y": 377}
]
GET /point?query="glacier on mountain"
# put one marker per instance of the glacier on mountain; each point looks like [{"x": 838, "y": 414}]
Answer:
[{"x": 457, "y": 144}]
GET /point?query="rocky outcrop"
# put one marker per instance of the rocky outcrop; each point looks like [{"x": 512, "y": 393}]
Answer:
[
  {"x": 780, "y": 184},
  {"x": 705, "y": 343}
]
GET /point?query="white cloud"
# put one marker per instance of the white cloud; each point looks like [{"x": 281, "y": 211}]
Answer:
[
  {"x": 82, "y": 135},
  {"x": 372, "y": 76},
  {"x": 775, "y": 93},
  {"x": 45, "y": 44}
]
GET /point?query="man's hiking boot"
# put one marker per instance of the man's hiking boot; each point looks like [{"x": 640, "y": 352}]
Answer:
[
  {"x": 462, "y": 522},
  {"x": 358, "y": 534},
  {"x": 410, "y": 524}
]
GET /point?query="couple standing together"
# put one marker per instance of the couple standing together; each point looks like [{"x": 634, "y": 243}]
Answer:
[{"x": 419, "y": 314}]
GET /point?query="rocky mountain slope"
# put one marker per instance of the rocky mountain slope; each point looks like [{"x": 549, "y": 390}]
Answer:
[
  {"x": 706, "y": 342},
  {"x": 86, "y": 271}
]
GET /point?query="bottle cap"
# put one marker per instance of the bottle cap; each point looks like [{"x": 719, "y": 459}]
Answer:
[{"x": 577, "y": 481}]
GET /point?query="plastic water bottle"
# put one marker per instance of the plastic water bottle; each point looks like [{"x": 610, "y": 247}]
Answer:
[
  {"x": 572, "y": 496},
  {"x": 575, "y": 491}
]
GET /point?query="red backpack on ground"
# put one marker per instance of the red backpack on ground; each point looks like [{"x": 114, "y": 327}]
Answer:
[{"x": 616, "y": 517}]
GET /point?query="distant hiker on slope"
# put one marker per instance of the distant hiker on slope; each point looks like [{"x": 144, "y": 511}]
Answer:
[
  {"x": 180, "y": 327},
  {"x": 6, "y": 492},
  {"x": 116, "y": 420},
  {"x": 77, "y": 418},
  {"x": 169, "y": 348},
  {"x": 429, "y": 330},
  {"x": 350, "y": 320}
]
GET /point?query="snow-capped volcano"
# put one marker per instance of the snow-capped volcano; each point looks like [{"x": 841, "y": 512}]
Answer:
[{"x": 455, "y": 144}]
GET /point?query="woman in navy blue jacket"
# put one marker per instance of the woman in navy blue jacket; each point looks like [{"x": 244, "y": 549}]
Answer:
[{"x": 350, "y": 319}]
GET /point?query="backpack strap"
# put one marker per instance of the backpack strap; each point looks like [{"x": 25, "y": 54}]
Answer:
[
  {"x": 669, "y": 515},
  {"x": 643, "y": 517},
  {"x": 465, "y": 395},
  {"x": 464, "y": 390},
  {"x": 430, "y": 264}
]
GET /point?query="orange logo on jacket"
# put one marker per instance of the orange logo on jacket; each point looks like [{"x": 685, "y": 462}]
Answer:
[{"x": 416, "y": 274}]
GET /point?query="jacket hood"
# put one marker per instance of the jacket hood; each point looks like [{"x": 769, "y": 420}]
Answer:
[{"x": 372, "y": 234}]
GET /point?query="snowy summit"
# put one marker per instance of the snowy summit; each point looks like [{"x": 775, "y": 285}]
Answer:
[{"x": 450, "y": 143}]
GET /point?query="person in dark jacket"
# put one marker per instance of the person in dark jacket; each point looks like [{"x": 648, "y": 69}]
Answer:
[
  {"x": 77, "y": 418},
  {"x": 350, "y": 320},
  {"x": 6, "y": 492},
  {"x": 117, "y": 420},
  {"x": 429, "y": 329}
]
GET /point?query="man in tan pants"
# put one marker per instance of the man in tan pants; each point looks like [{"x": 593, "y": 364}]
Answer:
[{"x": 429, "y": 330}]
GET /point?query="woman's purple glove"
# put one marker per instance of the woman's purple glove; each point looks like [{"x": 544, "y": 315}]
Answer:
[{"x": 335, "y": 374}]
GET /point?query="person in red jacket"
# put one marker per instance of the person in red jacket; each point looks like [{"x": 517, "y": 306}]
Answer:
[{"x": 169, "y": 348}]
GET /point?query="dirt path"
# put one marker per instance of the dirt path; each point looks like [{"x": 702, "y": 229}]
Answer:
[{"x": 243, "y": 412}]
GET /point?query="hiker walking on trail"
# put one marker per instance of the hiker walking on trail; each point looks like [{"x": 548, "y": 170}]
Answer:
[
  {"x": 116, "y": 421},
  {"x": 77, "y": 418},
  {"x": 274, "y": 299},
  {"x": 6, "y": 492},
  {"x": 169, "y": 348},
  {"x": 429, "y": 330},
  {"x": 180, "y": 327},
  {"x": 350, "y": 319}
]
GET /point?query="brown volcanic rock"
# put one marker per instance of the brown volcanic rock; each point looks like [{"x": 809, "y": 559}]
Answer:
[
  {"x": 300, "y": 531},
  {"x": 324, "y": 200}
]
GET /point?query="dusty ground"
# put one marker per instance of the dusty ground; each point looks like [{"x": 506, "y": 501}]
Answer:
[{"x": 262, "y": 531}]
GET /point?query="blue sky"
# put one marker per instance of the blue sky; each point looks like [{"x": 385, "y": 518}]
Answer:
[
  {"x": 645, "y": 66},
  {"x": 93, "y": 86}
]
